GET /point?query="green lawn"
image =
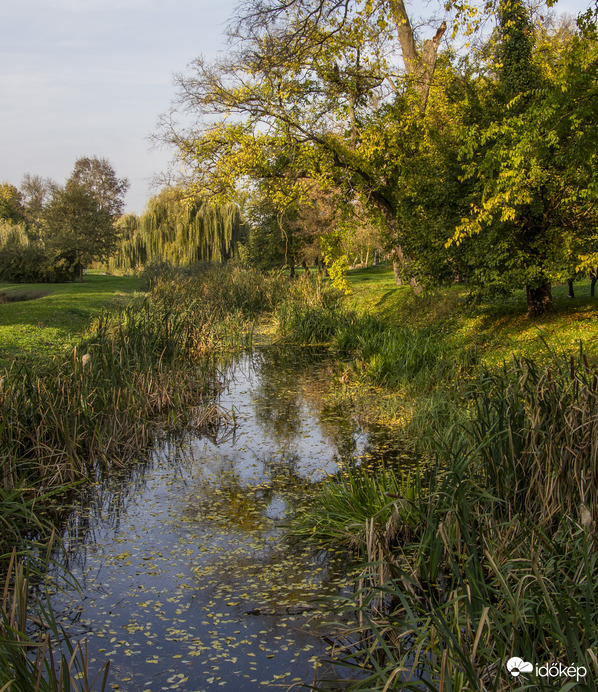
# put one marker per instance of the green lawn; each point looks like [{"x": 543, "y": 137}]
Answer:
[
  {"x": 57, "y": 318},
  {"x": 497, "y": 329}
]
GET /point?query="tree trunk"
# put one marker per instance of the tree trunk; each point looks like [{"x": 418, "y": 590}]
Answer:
[
  {"x": 397, "y": 271},
  {"x": 594, "y": 278},
  {"x": 539, "y": 299},
  {"x": 571, "y": 293},
  {"x": 419, "y": 66},
  {"x": 418, "y": 289}
]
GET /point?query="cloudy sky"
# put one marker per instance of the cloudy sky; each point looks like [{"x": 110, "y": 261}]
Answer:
[{"x": 90, "y": 78}]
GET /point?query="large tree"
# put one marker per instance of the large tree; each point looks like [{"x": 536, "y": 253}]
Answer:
[
  {"x": 326, "y": 90},
  {"x": 533, "y": 164},
  {"x": 78, "y": 230}
]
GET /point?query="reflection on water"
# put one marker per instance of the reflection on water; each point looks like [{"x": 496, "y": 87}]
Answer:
[{"x": 188, "y": 580}]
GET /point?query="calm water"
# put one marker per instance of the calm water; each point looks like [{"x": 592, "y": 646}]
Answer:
[{"x": 188, "y": 580}]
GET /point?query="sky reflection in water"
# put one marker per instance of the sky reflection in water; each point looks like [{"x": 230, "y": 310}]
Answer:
[{"x": 188, "y": 581}]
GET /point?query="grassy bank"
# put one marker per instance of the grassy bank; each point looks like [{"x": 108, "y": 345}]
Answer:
[
  {"x": 488, "y": 552},
  {"x": 497, "y": 329},
  {"x": 41, "y": 320}
]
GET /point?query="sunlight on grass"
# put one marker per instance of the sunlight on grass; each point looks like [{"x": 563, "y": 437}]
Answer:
[{"x": 49, "y": 324}]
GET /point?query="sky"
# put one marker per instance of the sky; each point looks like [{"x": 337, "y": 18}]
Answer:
[{"x": 91, "y": 78}]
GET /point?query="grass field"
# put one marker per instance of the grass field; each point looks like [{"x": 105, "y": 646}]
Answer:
[
  {"x": 496, "y": 329},
  {"x": 57, "y": 318}
]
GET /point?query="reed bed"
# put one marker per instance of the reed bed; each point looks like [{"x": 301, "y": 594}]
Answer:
[
  {"x": 73, "y": 417},
  {"x": 495, "y": 557},
  {"x": 69, "y": 419},
  {"x": 35, "y": 653}
]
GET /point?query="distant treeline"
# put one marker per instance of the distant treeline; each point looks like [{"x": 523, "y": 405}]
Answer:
[{"x": 179, "y": 230}]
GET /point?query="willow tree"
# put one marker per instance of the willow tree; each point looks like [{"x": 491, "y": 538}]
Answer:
[
  {"x": 180, "y": 229},
  {"x": 131, "y": 252}
]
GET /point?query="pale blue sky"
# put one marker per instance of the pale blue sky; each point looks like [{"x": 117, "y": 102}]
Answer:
[{"x": 90, "y": 78}]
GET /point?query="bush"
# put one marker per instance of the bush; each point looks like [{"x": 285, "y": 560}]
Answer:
[{"x": 23, "y": 260}]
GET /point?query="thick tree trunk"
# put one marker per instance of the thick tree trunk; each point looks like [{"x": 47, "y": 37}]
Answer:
[
  {"x": 539, "y": 299},
  {"x": 397, "y": 271},
  {"x": 419, "y": 66},
  {"x": 571, "y": 293},
  {"x": 594, "y": 278}
]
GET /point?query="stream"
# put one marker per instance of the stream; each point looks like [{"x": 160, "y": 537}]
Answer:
[{"x": 188, "y": 578}]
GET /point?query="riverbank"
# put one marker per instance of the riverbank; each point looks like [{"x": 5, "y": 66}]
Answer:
[
  {"x": 506, "y": 449},
  {"x": 486, "y": 553}
]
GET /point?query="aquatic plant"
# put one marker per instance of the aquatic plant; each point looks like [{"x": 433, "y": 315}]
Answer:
[
  {"x": 500, "y": 558},
  {"x": 35, "y": 653}
]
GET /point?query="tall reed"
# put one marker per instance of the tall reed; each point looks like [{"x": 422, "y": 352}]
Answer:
[
  {"x": 498, "y": 557},
  {"x": 35, "y": 653}
]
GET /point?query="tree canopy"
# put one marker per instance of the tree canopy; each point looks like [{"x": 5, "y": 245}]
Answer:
[
  {"x": 99, "y": 178},
  {"x": 476, "y": 162},
  {"x": 180, "y": 229},
  {"x": 78, "y": 230}
]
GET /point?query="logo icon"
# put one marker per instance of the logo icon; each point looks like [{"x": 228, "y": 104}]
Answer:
[{"x": 517, "y": 665}]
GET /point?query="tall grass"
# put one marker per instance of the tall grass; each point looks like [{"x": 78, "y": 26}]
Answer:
[
  {"x": 35, "y": 653},
  {"x": 538, "y": 433},
  {"x": 497, "y": 558},
  {"x": 311, "y": 312},
  {"x": 64, "y": 420},
  {"x": 400, "y": 356}
]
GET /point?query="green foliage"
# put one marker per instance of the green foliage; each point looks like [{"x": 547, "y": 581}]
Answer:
[
  {"x": 355, "y": 498},
  {"x": 311, "y": 312},
  {"x": 11, "y": 204},
  {"x": 25, "y": 260},
  {"x": 533, "y": 221},
  {"x": 77, "y": 229},
  {"x": 517, "y": 72},
  {"x": 99, "y": 179},
  {"x": 180, "y": 230}
]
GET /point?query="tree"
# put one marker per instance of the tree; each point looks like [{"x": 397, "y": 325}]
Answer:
[
  {"x": 78, "y": 230},
  {"x": 179, "y": 228},
  {"x": 318, "y": 92},
  {"x": 99, "y": 178},
  {"x": 11, "y": 204},
  {"x": 534, "y": 166},
  {"x": 35, "y": 191}
]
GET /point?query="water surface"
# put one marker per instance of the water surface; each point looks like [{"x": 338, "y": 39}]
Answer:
[{"x": 189, "y": 580}]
